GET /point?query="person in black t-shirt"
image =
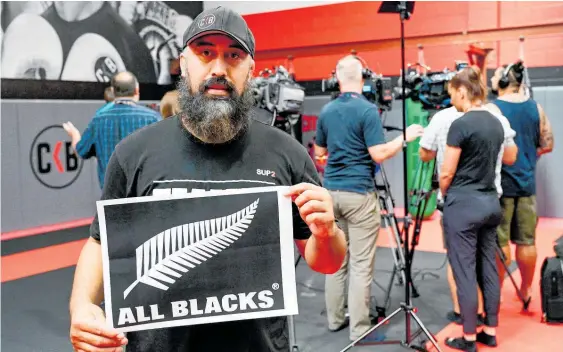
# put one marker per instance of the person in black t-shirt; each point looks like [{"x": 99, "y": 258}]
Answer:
[
  {"x": 471, "y": 207},
  {"x": 212, "y": 144}
]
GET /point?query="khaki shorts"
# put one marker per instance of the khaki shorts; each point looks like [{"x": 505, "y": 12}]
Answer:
[{"x": 519, "y": 221}]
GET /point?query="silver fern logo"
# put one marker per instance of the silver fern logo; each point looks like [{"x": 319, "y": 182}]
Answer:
[{"x": 170, "y": 254}]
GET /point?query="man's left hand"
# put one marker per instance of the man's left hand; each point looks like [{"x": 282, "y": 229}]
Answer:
[
  {"x": 71, "y": 130},
  {"x": 316, "y": 209}
]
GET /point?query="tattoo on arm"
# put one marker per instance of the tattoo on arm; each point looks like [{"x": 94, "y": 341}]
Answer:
[{"x": 546, "y": 134}]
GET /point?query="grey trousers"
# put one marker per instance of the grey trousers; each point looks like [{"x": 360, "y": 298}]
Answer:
[
  {"x": 470, "y": 225},
  {"x": 360, "y": 219}
]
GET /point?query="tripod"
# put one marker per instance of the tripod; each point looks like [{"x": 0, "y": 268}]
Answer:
[
  {"x": 404, "y": 9},
  {"x": 525, "y": 302},
  {"x": 390, "y": 223},
  {"x": 420, "y": 196},
  {"x": 291, "y": 323}
]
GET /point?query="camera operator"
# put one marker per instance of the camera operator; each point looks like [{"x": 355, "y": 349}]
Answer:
[
  {"x": 432, "y": 145},
  {"x": 533, "y": 138},
  {"x": 472, "y": 211},
  {"x": 349, "y": 129}
]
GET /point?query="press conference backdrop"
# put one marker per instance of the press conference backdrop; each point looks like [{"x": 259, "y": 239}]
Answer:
[{"x": 43, "y": 183}]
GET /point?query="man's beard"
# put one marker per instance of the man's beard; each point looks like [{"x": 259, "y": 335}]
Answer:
[{"x": 211, "y": 119}]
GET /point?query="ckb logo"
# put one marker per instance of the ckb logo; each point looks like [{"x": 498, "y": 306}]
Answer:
[
  {"x": 52, "y": 158},
  {"x": 206, "y": 21}
]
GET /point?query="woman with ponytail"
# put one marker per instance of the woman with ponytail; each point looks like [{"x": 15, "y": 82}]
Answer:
[{"x": 472, "y": 210}]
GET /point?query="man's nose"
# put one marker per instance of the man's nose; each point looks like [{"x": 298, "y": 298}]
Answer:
[{"x": 219, "y": 68}]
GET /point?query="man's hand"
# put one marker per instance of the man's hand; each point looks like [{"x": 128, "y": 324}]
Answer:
[
  {"x": 326, "y": 249},
  {"x": 73, "y": 132},
  {"x": 413, "y": 132},
  {"x": 89, "y": 332},
  {"x": 315, "y": 207}
]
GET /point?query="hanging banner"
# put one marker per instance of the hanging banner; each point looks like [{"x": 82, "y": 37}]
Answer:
[{"x": 197, "y": 258}]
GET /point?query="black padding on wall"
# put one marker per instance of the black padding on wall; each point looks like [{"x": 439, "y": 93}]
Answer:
[
  {"x": 50, "y": 89},
  {"x": 35, "y": 89}
]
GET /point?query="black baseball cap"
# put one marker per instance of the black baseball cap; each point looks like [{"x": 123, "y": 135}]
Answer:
[{"x": 221, "y": 20}]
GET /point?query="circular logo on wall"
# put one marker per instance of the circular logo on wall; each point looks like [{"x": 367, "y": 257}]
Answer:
[
  {"x": 52, "y": 158},
  {"x": 104, "y": 69}
]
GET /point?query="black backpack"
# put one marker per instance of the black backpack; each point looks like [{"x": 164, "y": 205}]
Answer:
[{"x": 552, "y": 286}]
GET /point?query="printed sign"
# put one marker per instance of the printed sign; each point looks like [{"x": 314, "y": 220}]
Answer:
[{"x": 198, "y": 258}]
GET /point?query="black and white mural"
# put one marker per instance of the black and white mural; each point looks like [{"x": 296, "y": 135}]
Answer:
[
  {"x": 197, "y": 258},
  {"x": 92, "y": 40}
]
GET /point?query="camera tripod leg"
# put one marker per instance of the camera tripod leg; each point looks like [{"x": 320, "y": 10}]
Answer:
[
  {"x": 525, "y": 302},
  {"x": 389, "y": 288},
  {"x": 370, "y": 330},
  {"x": 398, "y": 259},
  {"x": 415, "y": 293},
  {"x": 425, "y": 330}
]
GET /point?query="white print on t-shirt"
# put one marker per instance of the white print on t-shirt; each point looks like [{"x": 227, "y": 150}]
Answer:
[
  {"x": 265, "y": 173},
  {"x": 180, "y": 191}
]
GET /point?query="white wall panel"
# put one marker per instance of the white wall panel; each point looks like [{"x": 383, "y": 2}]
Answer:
[{"x": 250, "y": 7}]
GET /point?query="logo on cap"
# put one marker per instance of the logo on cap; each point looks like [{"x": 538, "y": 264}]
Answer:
[{"x": 206, "y": 21}]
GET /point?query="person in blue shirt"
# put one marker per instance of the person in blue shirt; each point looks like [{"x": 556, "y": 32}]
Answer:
[
  {"x": 350, "y": 131},
  {"x": 113, "y": 123},
  {"x": 534, "y": 137},
  {"x": 108, "y": 98}
]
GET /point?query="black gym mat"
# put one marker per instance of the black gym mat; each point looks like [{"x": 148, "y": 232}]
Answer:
[{"x": 44, "y": 240}]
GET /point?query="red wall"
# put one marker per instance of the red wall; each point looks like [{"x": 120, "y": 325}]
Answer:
[{"x": 318, "y": 36}]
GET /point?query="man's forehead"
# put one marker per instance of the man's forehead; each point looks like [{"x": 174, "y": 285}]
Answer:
[{"x": 215, "y": 39}]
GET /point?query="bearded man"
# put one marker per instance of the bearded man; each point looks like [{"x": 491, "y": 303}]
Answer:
[{"x": 212, "y": 144}]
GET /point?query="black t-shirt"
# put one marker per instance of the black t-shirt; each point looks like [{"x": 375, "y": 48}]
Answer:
[
  {"x": 164, "y": 157},
  {"x": 480, "y": 135}
]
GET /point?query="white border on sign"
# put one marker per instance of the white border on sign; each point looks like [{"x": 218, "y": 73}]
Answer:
[{"x": 286, "y": 249}]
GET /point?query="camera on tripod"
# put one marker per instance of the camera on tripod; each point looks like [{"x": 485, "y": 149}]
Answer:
[
  {"x": 277, "y": 92},
  {"x": 377, "y": 89},
  {"x": 430, "y": 89}
]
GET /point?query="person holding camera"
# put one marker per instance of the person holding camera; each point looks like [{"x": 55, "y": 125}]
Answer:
[
  {"x": 432, "y": 146},
  {"x": 472, "y": 212},
  {"x": 350, "y": 131},
  {"x": 534, "y": 137}
]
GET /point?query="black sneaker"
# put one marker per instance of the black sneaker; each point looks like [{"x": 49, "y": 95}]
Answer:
[
  {"x": 487, "y": 339},
  {"x": 456, "y": 318},
  {"x": 480, "y": 320},
  {"x": 460, "y": 343},
  {"x": 341, "y": 327}
]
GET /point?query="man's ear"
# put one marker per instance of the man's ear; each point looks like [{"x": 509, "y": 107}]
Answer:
[
  {"x": 183, "y": 64},
  {"x": 251, "y": 70}
]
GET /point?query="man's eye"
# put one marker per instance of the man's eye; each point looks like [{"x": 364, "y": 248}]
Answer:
[
  {"x": 206, "y": 52},
  {"x": 235, "y": 55}
]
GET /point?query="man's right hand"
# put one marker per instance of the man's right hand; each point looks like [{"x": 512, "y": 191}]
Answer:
[
  {"x": 413, "y": 132},
  {"x": 89, "y": 332}
]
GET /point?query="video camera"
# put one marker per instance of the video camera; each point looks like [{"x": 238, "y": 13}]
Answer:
[
  {"x": 377, "y": 89},
  {"x": 278, "y": 93},
  {"x": 430, "y": 89}
]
